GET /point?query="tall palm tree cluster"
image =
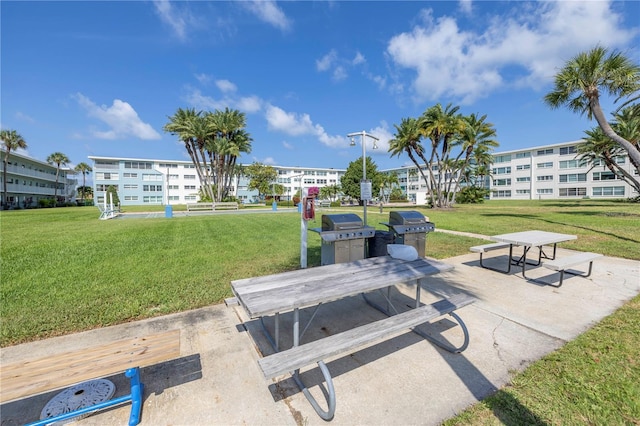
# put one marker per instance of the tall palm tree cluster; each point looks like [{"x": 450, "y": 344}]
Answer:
[
  {"x": 214, "y": 141},
  {"x": 579, "y": 85},
  {"x": 453, "y": 148}
]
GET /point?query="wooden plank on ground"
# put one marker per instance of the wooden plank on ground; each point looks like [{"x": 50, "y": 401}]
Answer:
[{"x": 30, "y": 377}]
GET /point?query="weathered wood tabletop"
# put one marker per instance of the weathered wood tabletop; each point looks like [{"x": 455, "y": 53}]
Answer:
[{"x": 268, "y": 295}]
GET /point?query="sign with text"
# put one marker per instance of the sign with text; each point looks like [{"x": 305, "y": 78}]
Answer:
[{"x": 365, "y": 190}]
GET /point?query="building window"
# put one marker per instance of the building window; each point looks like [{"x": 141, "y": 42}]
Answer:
[
  {"x": 107, "y": 176},
  {"x": 190, "y": 177},
  {"x": 501, "y": 182},
  {"x": 502, "y": 158},
  {"x": 547, "y": 151},
  {"x": 604, "y": 176},
  {"x": 523, "y": 179},
  {"x": 523, "y": 167},
  {"x": 572, "y": 164},
  {"x": 502, "y": 194},
  {"x": 501, "y": 170},
  {"x": 152, "y": 199},
  {"x": 573, "y": 192},
  {"x": 130, "y": 175},
  {"x": 544, "y": 178},
  {"x": 138, "y": 165},
  {"x": 523, "y": 191},
  {"x": 130, "y": 186},
  {"x": 523, "y": 154},
  {"x": 131, "y": 198},
  {"x": 168, "y": 166},
  {"x": 576, "y": 177},
  {"x": 190, "y": 187},
  {"x": 547, "y": 165},
  {"x": 174, "y": 198},
  {"x": 544, "y": 191},
  {"x": 568, "y": 150},
  {"x": 152, "y": 188},
  {"x": 190, "y": 198},
  {"x": 609, "y": 191},
  {"x": 103, "y": 187},
  {"x": 151, "y": 178}
]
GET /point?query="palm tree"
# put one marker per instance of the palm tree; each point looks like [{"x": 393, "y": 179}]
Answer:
[
  {"x": 228, "y": 140},
  {"x": 83, "y": 168},
  {"x": 476, "y": 138},
  {"x": 578, "y": 86},
  {"x": 407, "y": 140},
  {"x": 11, "y": 141},
  {"x": 192, "y": 129},
  {"x": 59, "y": 159},
  {"x": 442, "y": 127}
]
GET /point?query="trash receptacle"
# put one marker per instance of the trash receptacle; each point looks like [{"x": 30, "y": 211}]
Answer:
[
  {"x": 379, "y": 242},
  {"x": 168, "y": 211}
]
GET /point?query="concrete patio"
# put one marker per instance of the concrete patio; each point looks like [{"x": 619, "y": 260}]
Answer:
[{"x": 405, "y": 380}]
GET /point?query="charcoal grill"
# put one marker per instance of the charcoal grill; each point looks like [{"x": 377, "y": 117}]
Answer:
[
  {"x": 343, "y": 238},
  {"x": 411, "y": 228}
]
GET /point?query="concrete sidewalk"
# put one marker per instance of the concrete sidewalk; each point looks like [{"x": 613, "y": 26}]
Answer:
[{"x": 405, "y": 380}]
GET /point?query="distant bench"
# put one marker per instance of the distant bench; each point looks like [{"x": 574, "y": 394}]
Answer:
[
  {"x": 324, "y": 203},
  {"x": 30, "y": 377},
  {"x": 212, "y": 206}
]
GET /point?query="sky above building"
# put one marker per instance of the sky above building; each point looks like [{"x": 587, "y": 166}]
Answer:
[{"x": 102, "y": 78}]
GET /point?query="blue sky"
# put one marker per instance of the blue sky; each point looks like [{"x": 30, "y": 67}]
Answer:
[{"x": 101, "y": 78}]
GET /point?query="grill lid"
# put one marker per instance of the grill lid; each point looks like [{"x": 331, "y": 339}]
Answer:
[
  {"x": 340, "y": 222},
  {"x": 409, "y": 217}
]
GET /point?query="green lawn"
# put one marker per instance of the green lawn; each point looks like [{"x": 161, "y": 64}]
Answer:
[{"x": 63, "y": 270}]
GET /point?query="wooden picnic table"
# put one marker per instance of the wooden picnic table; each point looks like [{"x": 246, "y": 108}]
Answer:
[{"x": 291, "y": 291}]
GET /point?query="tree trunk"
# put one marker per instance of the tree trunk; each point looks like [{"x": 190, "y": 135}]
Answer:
[{"x": 634, "y": 153}]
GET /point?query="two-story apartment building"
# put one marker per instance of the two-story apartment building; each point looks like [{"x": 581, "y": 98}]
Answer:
[{"x": 29, "y": 180}]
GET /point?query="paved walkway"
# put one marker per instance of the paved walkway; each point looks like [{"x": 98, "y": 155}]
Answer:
[{"x": 405, "y": 380}]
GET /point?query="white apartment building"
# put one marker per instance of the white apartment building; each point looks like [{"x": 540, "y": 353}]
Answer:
[
  {"x": 544, "y": 172},
  {"x": 30, "y": 180},
  {"x": 148, "y": 181}
]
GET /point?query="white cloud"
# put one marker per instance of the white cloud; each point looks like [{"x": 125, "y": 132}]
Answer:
[
  {"x": 24, "y": 117},
  {"x": 122, "y": 119},
  {"x": 268, "y": 12},
  {"x": 466, "y": 6},
  {"x": 288, "y": 122},
  {"x": 175, "y": 19},
  {"x": 298, "y": 125},
  {"x": 248, "y": 104},
  {"x": 358, "y": 59},
  {"x": 324, "y": 63},
  {"x": 523, "y": 48},
  {"x": 287, "y": 145},
  {"x": 226, "y": 86},
  {"x": 339, "y": 74},
  {"x": 203, "y": 79}
]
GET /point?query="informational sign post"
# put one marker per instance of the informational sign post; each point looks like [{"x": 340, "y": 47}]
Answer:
[{"x": 365, "y": 190}]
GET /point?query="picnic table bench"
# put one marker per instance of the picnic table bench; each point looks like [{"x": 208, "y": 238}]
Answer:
[
  {"x": 221, "y": 205},
  {"x": 291, "y": 291},
  {"x": 34, "y": 376}
]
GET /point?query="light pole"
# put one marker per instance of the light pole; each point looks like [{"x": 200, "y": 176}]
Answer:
[{"x": 364, "y": 167}]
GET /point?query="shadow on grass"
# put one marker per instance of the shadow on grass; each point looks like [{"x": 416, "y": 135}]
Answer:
[
  {"x": 571, "y": 225},
  {"x": 510, "y": 411}
]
